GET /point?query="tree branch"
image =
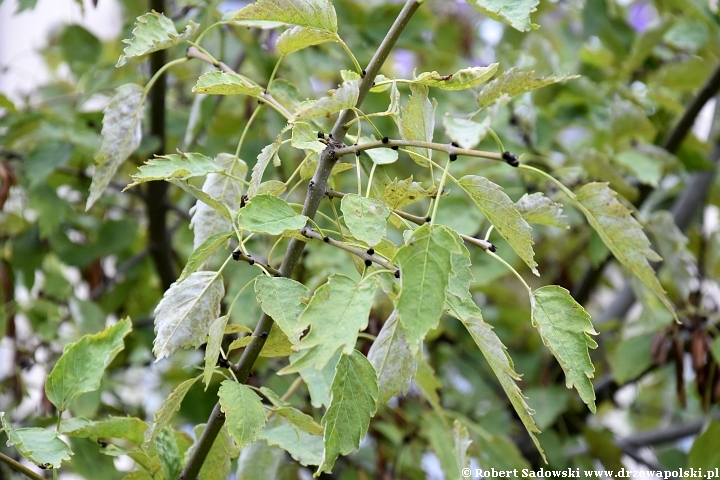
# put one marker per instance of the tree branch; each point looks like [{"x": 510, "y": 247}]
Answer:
[
  {"x": 440, "y": 147},
  {"x": 316, "y": 192},
  {"x": 238, "y": 256},
  {"x": 20, "y": 467},
  {"x": 365, "y": 255}
]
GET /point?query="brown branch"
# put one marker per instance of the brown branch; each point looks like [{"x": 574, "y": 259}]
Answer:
[
  {"x": 440, "y": 147},
  {"x": 239, "y": 256},
  {"x": 358, "y": 252}
]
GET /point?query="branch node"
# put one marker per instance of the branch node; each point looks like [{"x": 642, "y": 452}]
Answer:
[
  {"x": 511, "y": 159},
  {"x": 264, "y": 334}
]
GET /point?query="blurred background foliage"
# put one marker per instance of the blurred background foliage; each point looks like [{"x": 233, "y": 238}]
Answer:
[{"x": 67, "y": 272}]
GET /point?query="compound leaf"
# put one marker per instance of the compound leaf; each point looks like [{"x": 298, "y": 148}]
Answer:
[
  {"x": 154, "y": 31},
  {"x": 203, "y": 252},
  {"x": 169, "y": 407},
  {"x": 417, "y": 121},
  {"x": 212, "y": 349},
  {"x": 305, "y": 448},
  {"x": 298, "y": 38},
  {"x": 342, "y": 98},
  {"x": 263, "y": 160},
  {"x": 38, "y": 445},
  {"x": 128, "y": 428}
]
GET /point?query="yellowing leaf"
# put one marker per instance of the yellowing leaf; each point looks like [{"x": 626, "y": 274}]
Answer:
[
  {"x": 244, "y": 413},
  {"x": 221, "y": 83},
  {"x": 180, "y": 166},
  {"x": 282, "y": 299},
  {"x": 121, "y": 135},
  {"x": 500, "y": 210},
  {"x": 565, "y": 328},
  {"x": 38, "y": 445},
  {"x": 460, "y": 80},
  {"x": 342, "y": 98},
  {"x": 365, "y": 217},
  {"x": 269, "y": 215},
  {"x": 392, "y": 359},
  {"x": 537, "y": 208},
  {"x": 298, "y": 38},
  {"x": 622, "y": 234},
  {"x": 417, "y": 121},
  {"x": 514, "y": 82},
  {"x": 515, "y": 13},
  {"x": 400, "y": 193},
  {"x": 318, "y": 14},
  {"x": 154, "y": 31},
  {"x": 82, "y": 364}
]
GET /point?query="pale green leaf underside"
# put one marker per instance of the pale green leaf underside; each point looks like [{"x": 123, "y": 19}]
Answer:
[
  {"x": 38, "y": 445},
  {"x": 215, "y": 335},
  {"x": 121, "y": 135},
  {"x": 270, "y": 215},
  {"x": 298, "y": 38},
  {"x": 467, "y": 133},
  {"x": 365, "y": 217},
  {"x": 460, "y": 80},
  {"x": 221, "y": 83},
  {"x": 622, "y": 234},
  {"x": 203, "y": 252},
  {"x": 268, "y": 153},
  {"x": 177, "y": 166},
  {"x": 318, "y": 14},
  {"x": 305, "y": 138},
  {"x": 417, "y": 121},
  {"x": 304, "y": 447},
  {"x": 184, "y": 314},
  {"x": 392, "y": 359},
  {"x": 282, "y": 299},
  {"x": 342, "y": 98},
  {"x": 514, "y": 82},
  {"x": 244, "y": 413},
  {"x": 128, "y": 428},
  {"x": 169, "y": 407},
  {"x": 259, "y": 461},
  {"x": 82, "y": 364},
  {"x": 565, "y": 328},
  {"x": 500, "y": 210},
  {"x": 515, "y": 13},
  {"x": 354, "y": 394},
  {"x": 299, "y": 419},
  {"x": 537, "y": 208},
  {"x": 154, "y": 31},
  {"x": 379, "y": 156}
]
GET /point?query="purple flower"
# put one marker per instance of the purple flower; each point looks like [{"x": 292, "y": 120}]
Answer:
[{"x": 641, "y": 15}]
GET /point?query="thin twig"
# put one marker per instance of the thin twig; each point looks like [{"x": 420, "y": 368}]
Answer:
[
  {"x": 441, "y": 147},
  {"x": 238, "y": 256},
  {"x": 358, "y": 252},
  {"x": 20, "y": 467}
]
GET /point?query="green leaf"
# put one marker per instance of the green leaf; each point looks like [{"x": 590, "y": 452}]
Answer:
[
  {"x": 417, "y": 121},
  {"x": 437, "y": 434},
  {"x": 304, "y": 448},
  {"x": 342, "y": 98},
  {"x": 537, "y": 208},
  {"x": 38, "y": 445},
  {"x": 462, "y": 443},
  {"x": 244, "y": 413},
  {"x": 317, "y": 381},
  {"x": 379, "y": 156},
  {"x": 204, "y": 198},
  {"x": 673, "y": 245},
  {"x": 467, "y": 133},
  {"x": 631, "y": 358},
  {"x": 353, "y": 403},
  {"x": 184, "y": 314},
  {"x": 263, "y": 160},
  {"x": 203, "y": 252},
  {"x": 218, "y": 462},
  {"x": 365, "y": 217},
  {"x": 121, "y": 135},
  {"x": 282, "y": 299},
  {"x": 648, "y": 170},
  {"x": 704, "y": 453},
  {"x": 154, "y": 31},
  {"x": 514, "y": 82},
  {"x": 622, "y": 234},
  {"x": 299, "y": 419},
  {"x": 496, "y": 450},
  {"x": 168, "y": 453},
  {"x": 340, "y": 298},
  {"x": 501, "y": 211},
  {"x": 298, "y": 38},
  {"x": 128, "y": 428},
  {"x": 221, "y": 83},
  {"x": 515, "y": 13},
  {"x": 82, "y": 364},
  {"x": 429, "y": 384},
  {"x": 425, "y": 263},
  {"x": 401, "y": 193},
  {"x": 318, "y": 14},
  {"x": 212, "y": 349},
  {"x": 169, "y": 407},
  {"x": 259, "y": 461},
  {"x": 565, "y": 329},
  {"x": 466, "y": 78},
  {"x": 181, "y": 166},
  {"x": 269, "y": 215},
  {"x": 305, "y": 138},
  {"x": 392, "y": 359}
]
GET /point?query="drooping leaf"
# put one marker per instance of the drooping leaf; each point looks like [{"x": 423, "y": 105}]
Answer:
[
  {"x": 354, "y": 395},
  {"x": 425, "y": 263},
  {"x": 82, "y": 364},
  {"x": 269, "y": 215},
  {"x": 121, "y": 135},
  {"x": 622, "y": 234},
  {"x": 537, "y": 208},
  {"x": 304, "y": 448},
  {"x": 429, "y": 384},
  {"x": 218, "y": 462},
  {"x": 282, "y": 299},
  {"x": 514, "y": 82},
  {"x": 565, "y": 328},
  {"x": 436, "y": 432},
  {"x": 181, "y": 166},
  {"x": 221, "y": 83},
  {"x": 203, "y": 252},
  {"x": 417, "y": 121},
  {"x": 501, "y": 211},
  {"x": 365, "y": 217},
  {"x": 259, "y": 461},
  {"x": 38, "y": 445},
  {"x": 154, "y": 31},
  {"x": 212, "y": 349},
  {"x": 169, "y": 407},
  {"x": 263, "y": 160},
  {"x": 342, "y": 98},
  {"x": 298, "y": 38},
  {"x": 305, "y": 138},
  {"x": 672, "y": 243},
  {"x": 515, "y": 13},
  {"x": 244, "y": 413},
  {"x": 184, "y": 314},
  {"x": 392, "y": 359},
  {"x": 272, "y": 187},
  {"x": 128, "y": 428},
  {"x": 318, "y": 14},
  {"x": 460, "y": 80},
  {"x": 400, "y": 193},
  {"x": 338, "y": 310}
]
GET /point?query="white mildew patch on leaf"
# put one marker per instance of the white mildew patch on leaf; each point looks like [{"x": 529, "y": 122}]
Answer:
[
  {"x": 283, "y": 299},
  {"x": 342, "y": 98},
  {"x": 305, "y": 138},
  {"x": 298, "y": 38},
  {"x": 338, "y": 310},
  {"x": 318, "y": 14},
  {"x": 622, "y": 234},
  {"x": 82, "y": 364},
  {"x": 184, "y": 314},
  {"x": 206, "y": 220},
  {"x": 121, "y": 135},
  {"x": 515, "y": 13},
  {"x": 169, "y": 407},
  {"x": 400, "y": 193},
  {"x": 244, "y": 412},
  {"x": 565, "y": 329},
  {"x": 514, "y": 82},
  {"x": 365, "y": 217},
  {"x": 500, "y": 210},
  {"x": 269, "y": 152},
  {"x": 221, "y": 83},
  {"x": 180, "y": 166},
  {"x": 38, "y": 445},
  {"x": 460, "y": 80},
  {"x": 354, "y": 395},
  {"x": 537, "y": 208},
  {"x": 305, "y": 448},
  {"x": 417, "y": 121},
  {"x": 154, "y": 31},
  {"x": 270, "y": 215},
  {"x": 392, "y": 359},
  {"x": 426, "y": 265}
]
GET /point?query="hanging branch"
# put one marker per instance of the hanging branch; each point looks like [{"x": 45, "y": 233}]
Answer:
[{"x": 365, "y": 255}]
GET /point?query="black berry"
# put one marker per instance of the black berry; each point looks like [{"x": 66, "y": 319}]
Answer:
[
  {"x": 321, "y": 135},
  {"x": 493, "y": 248}
]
